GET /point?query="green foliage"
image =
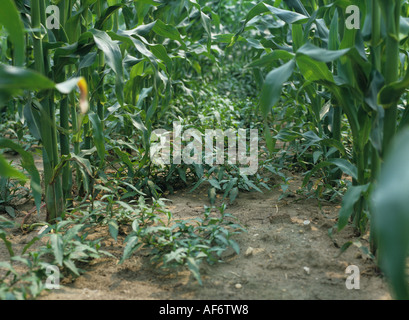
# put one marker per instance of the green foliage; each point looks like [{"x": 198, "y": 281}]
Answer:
[
  {"x": 390, "y": 216},
  {"x": 328, "y": 100},
  {"x": 174, "y": 243}
]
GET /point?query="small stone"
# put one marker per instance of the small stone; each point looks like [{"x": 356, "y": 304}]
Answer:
[
  {"x": 249, "y": 251},
  {"x": 307, "y": 270},
  {"x": 307, "y": 224},
  {"x": 238, "y": 286}
]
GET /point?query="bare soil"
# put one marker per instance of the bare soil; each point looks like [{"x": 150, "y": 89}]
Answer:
[{"x": 281, "y": 258}]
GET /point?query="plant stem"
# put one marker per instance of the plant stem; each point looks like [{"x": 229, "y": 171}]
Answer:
[
  {"x": 391, "y": 69},
  {"x": 53, "y": 192}
]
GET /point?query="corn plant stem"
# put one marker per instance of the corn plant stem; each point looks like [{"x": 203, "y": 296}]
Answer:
[
  {"x": 101, "y": 63},
  {"x": 377, "y": 63},
  {"x": 74, "y": 118},
  {"x": 391, "y": 70},
  {"x": 48, "y": 133},
  {"x": 86, "y": 74},
  {"x": 64, "y": 121}
]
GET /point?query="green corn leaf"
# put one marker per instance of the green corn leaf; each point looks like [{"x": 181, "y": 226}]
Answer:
[
  {"x": 27, "y": 162},
  {"x": 72, "y": 26},
  {"x": 113, "y": 55},
  {"x": 289, "y": 17},
  {"x": 167, "y": 31},
  {"x": 320, "y": 54},
  {"x": 313, "y": 70},
  {"x": 207, "y": 25},
  {"x": 15, "y": 79},
  {"x": 98, "y": 135},
  {"x": 269, "y": 58},
  {"x": 346, "y": 167},
  {"x": 273, "y": 84},
  {"x": 7, "y": 242},
  {"x": 33, "y": 120},
  {"x": 351, "y": 197},
  {"x": 159, "y": 51},
  {"x": 106, "y": 15},
  {"x": 342, "y": 164},
  {"x": 391, "y": 217},
  {"x": 297, "y": 6},
  {"x": 390, "y": 94},
  {"x": 10, "y": 18},
  {"x": 138, "y": 44},
  {"x": 8, "y": 171},
  {"x": 297, "y": 36},
  {"x": 333, "y": 39}
]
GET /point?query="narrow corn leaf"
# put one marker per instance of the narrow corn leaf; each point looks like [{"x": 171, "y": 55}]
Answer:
[
  {"x": 313, "y": 70},
  {"x": 7, "y": 242},
  {"x": 27, "y": 162},
  {"x": 10, "y": 18},
  {"x": 391, "y": 217},
  {"x": 98, "y": 135},
  {"x": 167, "y": 31},
  {"x": 320, "y": 54},
  {"x": 351, "y": 197},
  {"x": 13, "y": 79},
  {"x": 72, "y": 26},
  {"x": 272, "y": 87},
  {"x": 8, "y": 171},
  {"x": 106, "y": 15},
  {"x": 391, "y": 93},
  {"x": 344, "y": 165},
  {"x": 113, "y": 55},
  {"x": 269, "y": 58},
  {"x": 289, "y": 17}
]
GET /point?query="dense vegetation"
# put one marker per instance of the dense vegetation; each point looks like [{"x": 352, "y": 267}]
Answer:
[{"x": 85, "y": 84}]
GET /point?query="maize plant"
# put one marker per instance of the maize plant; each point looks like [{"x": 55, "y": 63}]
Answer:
[
  {"x": 92, "y": 80},
  {"x": 89, "y": 45},
  {"x": 358, "y": 73}
]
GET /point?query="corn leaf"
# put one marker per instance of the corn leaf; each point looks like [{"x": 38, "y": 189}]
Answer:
[
  {"x": 351, "y": 197},
  {"x": 391, "y": 217},
  {"x": 273, "y": 84},
  {"x": 10, "y": 18}
]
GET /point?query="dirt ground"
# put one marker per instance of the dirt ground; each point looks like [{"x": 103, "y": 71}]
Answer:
[{"x": 280, "y": 258}]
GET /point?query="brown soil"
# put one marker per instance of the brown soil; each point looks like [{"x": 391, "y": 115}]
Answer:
[{"x": 280, "y": 258}]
